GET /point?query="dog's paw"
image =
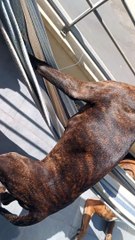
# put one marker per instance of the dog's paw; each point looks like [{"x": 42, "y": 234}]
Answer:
[
  {"x": 76, "y": 236},
  {"x": 108, "y": 236},
  {"x": 79, "y": 235}
]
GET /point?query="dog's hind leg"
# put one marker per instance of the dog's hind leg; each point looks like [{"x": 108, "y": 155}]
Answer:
[{"x": 26, "y": 220}]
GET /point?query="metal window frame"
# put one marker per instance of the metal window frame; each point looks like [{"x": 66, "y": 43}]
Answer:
[
  {"x": 88, "y": 49},
  {"x": 93, "y": 8}
]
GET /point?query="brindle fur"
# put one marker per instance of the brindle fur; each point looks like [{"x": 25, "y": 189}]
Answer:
[
  {"x": 94, "y": 206},
  {"x": 95, "y": 140}
]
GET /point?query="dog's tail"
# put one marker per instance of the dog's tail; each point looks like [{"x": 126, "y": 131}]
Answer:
[{"x": 36, "y": 62}]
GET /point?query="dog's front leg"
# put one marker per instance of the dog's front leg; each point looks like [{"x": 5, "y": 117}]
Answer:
[
  {"x": 26, "y": 220},
  {"x": 110, "y": 230},
  {"x": 87, "y": 215}
]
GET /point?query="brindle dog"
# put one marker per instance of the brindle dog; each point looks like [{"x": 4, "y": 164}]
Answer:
[{"x": 94, "y": 142}]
